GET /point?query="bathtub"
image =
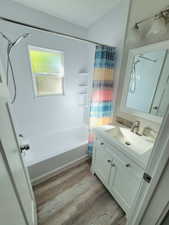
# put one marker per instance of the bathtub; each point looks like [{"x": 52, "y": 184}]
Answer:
[{"x": 48, "y": 153}]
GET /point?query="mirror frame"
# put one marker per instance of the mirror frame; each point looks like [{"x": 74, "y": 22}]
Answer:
[{"x": 131, "y": 54}]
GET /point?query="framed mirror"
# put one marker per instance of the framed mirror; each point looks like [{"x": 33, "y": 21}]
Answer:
[{"x": 146, "y": 85}]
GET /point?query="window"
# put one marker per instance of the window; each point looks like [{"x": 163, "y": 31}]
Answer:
[{"x": 47, "y": 71}]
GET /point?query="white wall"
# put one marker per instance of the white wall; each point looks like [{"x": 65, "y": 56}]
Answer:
[
  {"x": 110, "y": 30},
  {"x": 16, "y": 11},
  {"x": 54, "y": 124},
  {"x": 139, "y": 10}
]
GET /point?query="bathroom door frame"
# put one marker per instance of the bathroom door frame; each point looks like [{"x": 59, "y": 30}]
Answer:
[
  {"x": 4, "y": 92},
  {"x": 155, "y": 168}
]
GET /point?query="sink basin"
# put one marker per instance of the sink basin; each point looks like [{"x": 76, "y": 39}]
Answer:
[{"x": 134, "y": 142}]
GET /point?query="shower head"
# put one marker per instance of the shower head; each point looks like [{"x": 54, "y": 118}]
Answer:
[
  {"x": 20, "y": 38},
  {"x": 147, "y": 58},
  {"x": 9, "y": 64}
]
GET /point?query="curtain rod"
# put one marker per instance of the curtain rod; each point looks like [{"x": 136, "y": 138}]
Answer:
[{"x": 51, "y": 31}]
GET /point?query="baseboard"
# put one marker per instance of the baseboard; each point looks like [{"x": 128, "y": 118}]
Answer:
[{"x": 59, "y": 170}]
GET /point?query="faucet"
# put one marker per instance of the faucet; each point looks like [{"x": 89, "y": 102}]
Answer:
[{"x": 135, "y": 127}]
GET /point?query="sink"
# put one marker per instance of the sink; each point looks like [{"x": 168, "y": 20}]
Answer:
[{"x": 134, "y": 142}]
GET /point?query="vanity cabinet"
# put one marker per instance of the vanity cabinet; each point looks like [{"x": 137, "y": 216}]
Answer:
[{"x": 120, "y": 175}]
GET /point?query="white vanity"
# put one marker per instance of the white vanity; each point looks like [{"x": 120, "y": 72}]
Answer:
[
  {"x": 121, "y": 155},
  {"x": 119, "y": 161}
]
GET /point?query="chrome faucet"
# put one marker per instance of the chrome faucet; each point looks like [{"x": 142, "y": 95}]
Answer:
[{"x": 135, "y": 127}]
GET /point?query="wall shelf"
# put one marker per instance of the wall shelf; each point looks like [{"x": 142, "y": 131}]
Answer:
[{"x": 83, "y": 89}]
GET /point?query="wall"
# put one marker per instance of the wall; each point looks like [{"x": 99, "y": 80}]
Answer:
[
  {"x": 16, "y": 11},
  {"x": 139, "y": 10},
  {"x": 55, "y": 124},
  {"x": 110, "y": 30}
]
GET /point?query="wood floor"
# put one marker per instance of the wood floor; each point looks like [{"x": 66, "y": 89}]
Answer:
[{"x": 75, "y": 197}]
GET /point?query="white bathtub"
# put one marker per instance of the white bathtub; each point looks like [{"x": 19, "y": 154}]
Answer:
[{"x": 54, "y": 150}]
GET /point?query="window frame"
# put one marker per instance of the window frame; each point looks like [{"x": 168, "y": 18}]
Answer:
[{"x": 34, "y": 75}]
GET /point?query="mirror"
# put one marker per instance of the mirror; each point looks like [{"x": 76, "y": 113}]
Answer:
[{"x": 147, "y": 84}]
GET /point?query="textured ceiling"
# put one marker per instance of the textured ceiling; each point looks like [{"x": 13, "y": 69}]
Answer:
[{"x": 80, "y": 12}]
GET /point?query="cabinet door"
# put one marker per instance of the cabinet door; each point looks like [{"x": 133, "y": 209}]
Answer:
[
  {"x": 124, "y": 182},
  {"x": 102, "y": 165}
]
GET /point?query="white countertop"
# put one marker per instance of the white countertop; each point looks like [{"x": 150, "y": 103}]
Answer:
[{"x": 140, "y": 157}]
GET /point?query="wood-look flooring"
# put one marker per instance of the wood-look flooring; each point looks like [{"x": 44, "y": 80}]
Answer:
[{"x": 75, "y": 197}]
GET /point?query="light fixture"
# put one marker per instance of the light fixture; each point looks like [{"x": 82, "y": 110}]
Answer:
[
  {"x": 158, "y": 27},
  {"x": 159, "y": 24}
]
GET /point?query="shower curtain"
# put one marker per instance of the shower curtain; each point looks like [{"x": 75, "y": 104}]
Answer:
[{"x": 101, "y": 108}]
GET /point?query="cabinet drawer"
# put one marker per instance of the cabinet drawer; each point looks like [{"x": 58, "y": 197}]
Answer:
[
  {"x": 128, "y": 163},
  {"x": 101, "y": 144}
]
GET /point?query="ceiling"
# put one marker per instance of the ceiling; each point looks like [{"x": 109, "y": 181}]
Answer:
[{"x": 80, "y": 12}]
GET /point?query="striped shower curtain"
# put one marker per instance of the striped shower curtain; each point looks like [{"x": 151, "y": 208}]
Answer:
[{"x": 101, "y": 108}]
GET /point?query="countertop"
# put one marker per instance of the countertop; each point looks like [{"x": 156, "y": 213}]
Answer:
[{"x": 139, "y": 158}]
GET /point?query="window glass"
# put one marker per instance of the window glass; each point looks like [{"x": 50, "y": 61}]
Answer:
[{"x": 47, "y": 71}]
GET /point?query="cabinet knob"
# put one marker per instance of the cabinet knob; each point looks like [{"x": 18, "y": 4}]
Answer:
[
  {"x": 102, "y": 143},
  {"x": 155, "y": 107},
  {"x": 113, "y": 165},
  {"x": 109, "y": 161},
  {"x": 128, "y": 165}
]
